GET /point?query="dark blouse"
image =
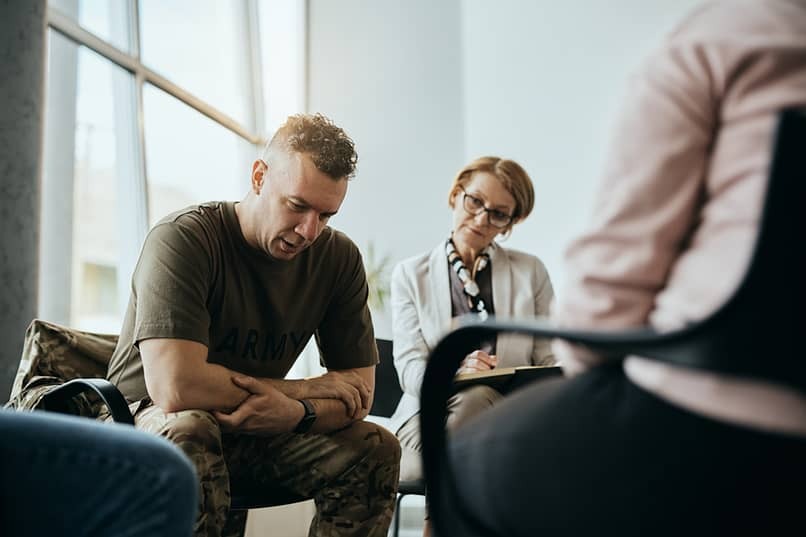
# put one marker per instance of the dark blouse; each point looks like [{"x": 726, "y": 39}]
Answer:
[{"x": 459, "y": 301}]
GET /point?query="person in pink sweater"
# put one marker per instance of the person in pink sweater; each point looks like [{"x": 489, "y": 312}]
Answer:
[{"x": 636, "y": 446}]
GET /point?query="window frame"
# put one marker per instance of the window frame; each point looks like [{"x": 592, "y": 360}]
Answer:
[{"x": 56, "y": 299}]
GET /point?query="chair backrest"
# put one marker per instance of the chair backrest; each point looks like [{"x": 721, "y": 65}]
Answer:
[
  {"x": 756, "y": 333},
  {"x": 387, "y": 385}
]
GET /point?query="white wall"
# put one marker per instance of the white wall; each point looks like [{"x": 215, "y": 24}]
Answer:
[
  {"x": 542, "y": 83},
  {"x": 389, "y": 72},
  {"x": 425, "y": 86}
]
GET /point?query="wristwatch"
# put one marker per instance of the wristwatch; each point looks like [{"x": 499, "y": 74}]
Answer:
[{"x": 307, "y": 419}]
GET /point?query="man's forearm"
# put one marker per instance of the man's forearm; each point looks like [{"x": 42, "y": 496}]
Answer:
[
  {"x": 179, "y": 377},
  {"x": 273, "y": 405},
  {"x": 352, "y": 387},
  {"x": 208, "y": 387},
  {"x": 293, "y": 388},
  {"x": 331, "y": 415}
]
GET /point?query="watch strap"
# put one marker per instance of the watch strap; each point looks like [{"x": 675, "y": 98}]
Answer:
[{"x": 308, "y": 418}]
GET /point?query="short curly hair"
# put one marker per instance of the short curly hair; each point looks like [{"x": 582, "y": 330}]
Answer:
[{"x": 331, "y": 150}]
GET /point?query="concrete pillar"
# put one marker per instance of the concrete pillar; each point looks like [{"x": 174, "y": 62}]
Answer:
[{"x": 22, "y": 75}]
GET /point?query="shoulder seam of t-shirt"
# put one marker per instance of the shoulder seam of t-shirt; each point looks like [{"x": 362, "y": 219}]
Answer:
[{"x": 157, "y": 330}]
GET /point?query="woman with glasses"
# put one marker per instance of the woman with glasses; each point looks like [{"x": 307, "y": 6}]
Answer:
[{"x": 468, "y": 272}]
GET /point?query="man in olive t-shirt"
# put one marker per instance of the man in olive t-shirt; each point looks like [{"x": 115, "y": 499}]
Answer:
[{"x": 224, "y": 298}]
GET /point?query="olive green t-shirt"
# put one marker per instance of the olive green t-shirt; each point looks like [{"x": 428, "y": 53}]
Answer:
[{"x": 198, "y": 279}]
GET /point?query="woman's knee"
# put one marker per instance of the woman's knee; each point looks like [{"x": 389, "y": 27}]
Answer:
[
  {"x": 470, "y": 402},
  {"x": 411, "y": 464}
]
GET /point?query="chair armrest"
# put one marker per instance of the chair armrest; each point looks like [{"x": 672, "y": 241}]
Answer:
[{"x": 56, "y": 399}]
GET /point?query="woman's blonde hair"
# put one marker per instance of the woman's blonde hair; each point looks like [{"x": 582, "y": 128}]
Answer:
[{"x": 512, "y": 177}]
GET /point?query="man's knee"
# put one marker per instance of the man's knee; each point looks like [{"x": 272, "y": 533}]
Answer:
[
  {"x": 381, "y": 444},
  {"x": 198, "y": 435},
  {"x": 378, "y": 453},
  {"x": 151, "y": 418},
  {"x": 373, "y": 444},
  {"x": 195, "y": 432}
]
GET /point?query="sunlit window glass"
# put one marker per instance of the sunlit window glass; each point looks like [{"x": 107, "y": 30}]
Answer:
[
  {"x": 190, "y": 158},
  {"x": 203, "y": 46},
  {"x": 282, "y": 45},
  {"x": 89, "y": 121},
  {"x": 97, "y": 205},
  {"x": 108, "y": 19}
]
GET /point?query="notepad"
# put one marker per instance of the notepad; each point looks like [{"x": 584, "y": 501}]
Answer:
[{"x": 507, "y": 379}]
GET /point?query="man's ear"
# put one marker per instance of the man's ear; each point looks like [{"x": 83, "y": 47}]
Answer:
[{"x": 259, "y": 169}]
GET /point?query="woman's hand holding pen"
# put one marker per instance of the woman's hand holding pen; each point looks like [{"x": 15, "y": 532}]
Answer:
[{"x": 478, "y": 361}]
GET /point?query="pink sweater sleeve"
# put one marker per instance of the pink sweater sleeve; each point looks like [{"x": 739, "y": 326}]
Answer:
[
  {"x": 676, "y": 214},
  {"x": 647, "y": 201}
]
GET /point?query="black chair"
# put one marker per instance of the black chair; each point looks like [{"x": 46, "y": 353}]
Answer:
[
  {"x": 387, "y": 396},
  {"x": 763, "y": 318}
]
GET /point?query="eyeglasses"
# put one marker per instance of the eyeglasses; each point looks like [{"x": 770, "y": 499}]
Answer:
[{"x": 475, "y": 206}]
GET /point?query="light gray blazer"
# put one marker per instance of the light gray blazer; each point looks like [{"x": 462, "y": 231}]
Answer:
[{"x": 421, "y": 314}]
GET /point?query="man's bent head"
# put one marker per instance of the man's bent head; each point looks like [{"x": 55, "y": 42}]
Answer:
[{"x": 298, "y": 185}]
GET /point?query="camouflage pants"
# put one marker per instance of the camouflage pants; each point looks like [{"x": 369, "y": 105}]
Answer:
[{"x": 351, "y": 474}]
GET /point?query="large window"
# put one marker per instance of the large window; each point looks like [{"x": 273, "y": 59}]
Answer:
[
  {"x": 152, "y": 105},
  {"x": 191, "y": 158},
  {"x": 214, "y": 59}
]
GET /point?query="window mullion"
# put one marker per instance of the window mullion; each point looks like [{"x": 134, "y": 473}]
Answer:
[{"x": 252, "y": 24}]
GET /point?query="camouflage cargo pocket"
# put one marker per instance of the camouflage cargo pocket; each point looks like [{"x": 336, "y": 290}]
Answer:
[
  {"x": 30, "y": 397},
  {"x": 53, "y": 354}
]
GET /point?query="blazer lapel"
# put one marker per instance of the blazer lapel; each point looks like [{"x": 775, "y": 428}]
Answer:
[
  {"x": 441, "y": 293},
  {"x": 502, "y": 294},
  {"x": 502, "y": 280}
]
